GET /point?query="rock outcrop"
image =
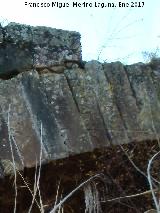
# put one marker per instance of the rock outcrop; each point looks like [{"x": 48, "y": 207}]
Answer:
[
  {"x": 23, "y": 47},
  {"x": 79, "y": 109},
  {"x": 64, "y": 119}
]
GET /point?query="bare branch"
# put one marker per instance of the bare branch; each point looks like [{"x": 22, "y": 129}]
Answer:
[
  {"x": 132, "y": 196},
  {"x": 72, "y": 192},
  {"x": 150, "y": 180}
]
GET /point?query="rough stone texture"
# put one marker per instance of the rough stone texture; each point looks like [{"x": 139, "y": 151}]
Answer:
[
  {"x": 79, "y": 109},
  {"x": 74, "y": 113},
  {"x": 33, "y": 100},
  {"x": 23, "y": 47}
]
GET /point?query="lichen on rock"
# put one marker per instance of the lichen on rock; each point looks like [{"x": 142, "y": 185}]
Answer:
[{"x": 23, "y": 47}]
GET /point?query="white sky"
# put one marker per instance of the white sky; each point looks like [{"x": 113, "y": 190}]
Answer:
[{"x": 108, "y": 33}]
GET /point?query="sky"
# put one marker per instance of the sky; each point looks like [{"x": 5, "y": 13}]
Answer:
[{"x": 107, "y": 34}]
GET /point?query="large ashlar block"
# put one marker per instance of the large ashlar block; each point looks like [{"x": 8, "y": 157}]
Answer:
[{"x": 23, "y": 47}]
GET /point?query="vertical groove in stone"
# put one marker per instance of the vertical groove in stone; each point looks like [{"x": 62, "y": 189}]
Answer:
[
  {"x": 35, "y": 123},
  {"x": 104, "y": 124},
  {"x": 72, "y": 92},
  {"x": 81, "y": 84},
  {"x": 131, "y": 87}
]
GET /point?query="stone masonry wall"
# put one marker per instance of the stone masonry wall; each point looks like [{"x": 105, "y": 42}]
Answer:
[{"x": 51, "y": 100}]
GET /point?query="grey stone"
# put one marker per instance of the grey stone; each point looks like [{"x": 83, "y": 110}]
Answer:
[
  {"x": 24, "y": 47},
  {"x": 79, "y": 109}
]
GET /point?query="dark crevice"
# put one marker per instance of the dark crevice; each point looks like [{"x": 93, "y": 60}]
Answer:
[
  {"x": 9, "y": 76},
  {"x": 104, "y": 124},
  {"x": 14, "y": 73},
  {"x": 131, "y": 87},
  {"x": 121, "y": 114},
  {"x": 72, "y": 92}
]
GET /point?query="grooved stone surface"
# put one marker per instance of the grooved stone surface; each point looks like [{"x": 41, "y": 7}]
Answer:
[{"x": 79, "y": 109}]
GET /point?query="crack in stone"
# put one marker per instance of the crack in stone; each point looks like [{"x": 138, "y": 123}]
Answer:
[
  {"x": 72, "y": 92},
  {"x": 104, "y": 124},
  {"x": 131, "y": 87}
]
